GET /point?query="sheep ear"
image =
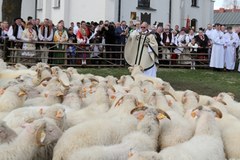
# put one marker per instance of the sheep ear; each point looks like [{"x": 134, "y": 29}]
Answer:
[
  {"x": 41, "y": 134},
  {"x": 119, "y": 102},
  {"x": 162, "y": 114},
  {"x": 2, "y": 91},
  {"x": 59, "y": 113},
  {"x": 170, "y": 103},
  {"x": 141, "y": 68},
  {"x": 59, "y": 93},
  {"x": 139, "y": 112},
  {"x": 217, "y": 111},
  {"x": 21, "y": 93},
  {"x": 195, "y": 112},
  {"x": 184, "y": 98},
  {"x": 131, "y": 153},
  {"x": 197, "y": 96}
]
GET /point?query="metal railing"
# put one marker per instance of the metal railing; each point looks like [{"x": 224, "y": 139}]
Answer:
[{"x": 104, "y": 55}]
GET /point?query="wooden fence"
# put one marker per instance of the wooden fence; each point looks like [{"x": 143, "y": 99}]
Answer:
[{"x": 96, "y": 55}]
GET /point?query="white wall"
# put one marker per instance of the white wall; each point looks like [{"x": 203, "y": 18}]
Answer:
[
  {"x": 1, "y": 10},
  {"x": 160, "y": 15},
  {"x": 28, "y": 9}
]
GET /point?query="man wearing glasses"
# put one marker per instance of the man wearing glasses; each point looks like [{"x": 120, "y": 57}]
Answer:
[{"x": 142, "y": 49}]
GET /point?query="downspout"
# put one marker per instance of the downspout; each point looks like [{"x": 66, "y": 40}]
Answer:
[
  {"x": 170, "y": 12},
  {"x": 119, "y": 10},
  {"x": 35, "y": 9}
]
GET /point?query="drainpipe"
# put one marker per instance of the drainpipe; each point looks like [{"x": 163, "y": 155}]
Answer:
[
  {"x": 119, "y": 10},
  {"x": 170, "y": 12},
  {"x": 35, "y": 9}
]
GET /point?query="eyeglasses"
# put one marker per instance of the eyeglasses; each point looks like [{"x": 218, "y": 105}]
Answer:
[{"x": 143, "y": 27}]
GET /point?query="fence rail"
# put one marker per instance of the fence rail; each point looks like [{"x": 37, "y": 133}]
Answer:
[{"x": 93, "y": 55}]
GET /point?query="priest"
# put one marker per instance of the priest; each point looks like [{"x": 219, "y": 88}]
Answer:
[{"x": 142, "y": 49}]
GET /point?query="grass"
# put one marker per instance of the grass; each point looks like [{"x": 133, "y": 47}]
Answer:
[{"x": 206, "y": 82}]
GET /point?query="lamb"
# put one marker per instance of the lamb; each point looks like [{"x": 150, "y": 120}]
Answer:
[
  {"x": 13, "y": 97},
  {"x": 232, "y": 106},
  {"x": 86, "y": 134},
  {"x": 173, "y": 132},
  {"x": 7, "y": 135},
  {"x": 144, "y": 139},
  {"x": 40, "y": 133},
  {"x": 206, "y": 143}
]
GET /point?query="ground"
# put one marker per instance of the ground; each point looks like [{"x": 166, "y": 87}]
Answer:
[{"x": 204, "y": 81}]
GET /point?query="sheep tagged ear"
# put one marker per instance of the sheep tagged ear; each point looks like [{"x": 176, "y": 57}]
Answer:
[
  {"x": 218, "y": 113},
  {"x": 139, "y": 112},
  {"x": 41, "y": 134},
  {"x": 162, "y": 114}
]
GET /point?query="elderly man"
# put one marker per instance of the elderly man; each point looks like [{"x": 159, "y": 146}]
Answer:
[{"x": 142, "y": 49}]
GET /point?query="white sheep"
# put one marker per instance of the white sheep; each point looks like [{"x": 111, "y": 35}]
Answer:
[
  {"x": 231, "y": 105},
  {"x": 102, "y": 131},
  {"x": 230, "y": 131},
  {"x": 144, "y": 139},
  {"x": 13, "y": 97},
  {"x": 25, "y": 145},
  {"x": 173, "y": 132},
  {"x": 205, "y": 145},
  {"x": 72, "y": 99},
  {"x": 7, "y": 135},
  {"x": 99, "y": 105},
  {"x": 16, "y": 118},
  {"x": 190, "y": 100}
]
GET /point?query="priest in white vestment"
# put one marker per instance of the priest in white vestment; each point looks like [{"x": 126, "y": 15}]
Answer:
[
  {"x": 142, "y": 49},
  {"x": 231, "y": 41},
  {"x": 217, "y": 55}
]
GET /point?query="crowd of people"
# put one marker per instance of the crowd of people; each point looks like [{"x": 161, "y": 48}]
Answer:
[{"x": 218, "y": 42}]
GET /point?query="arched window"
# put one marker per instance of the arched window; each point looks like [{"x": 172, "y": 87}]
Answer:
[{"x": 194, "y": 3}]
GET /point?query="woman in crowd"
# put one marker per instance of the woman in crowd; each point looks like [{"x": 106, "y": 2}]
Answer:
[{"x": 60, "y": 36}]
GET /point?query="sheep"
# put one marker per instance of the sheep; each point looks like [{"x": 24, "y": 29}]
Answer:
[
  {"x": 138, "y": 75},
  {"x": 19, "y": 116},
  {"x": 103, "y": 131},
  {"x": 206, "y": 143},
  {"x": 8, "y": 73},
  {"x": 72, "y": 99},
  {"x": 99, "y": 106},
  {"x": 168, "y": 89},
  {"x": 13, "y": 97},
  {"x": 7, "y": 135},
  {"x": 126, "y": 81},
  {"x": 190, "y": 100},
  {"x": 230, "y": 131},
  {"x": 177, "y": 130},
  {"x": 49, "y": 97},
  {"x": 144, "y": 139},
  {"x": 40, "y": 133},
  {"x": 232, "y": 106}
]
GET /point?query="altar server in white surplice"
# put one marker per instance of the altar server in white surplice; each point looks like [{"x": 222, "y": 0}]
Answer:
[
  {"x": 231, "y": 41},
  {"x": 217, "y": 56}
]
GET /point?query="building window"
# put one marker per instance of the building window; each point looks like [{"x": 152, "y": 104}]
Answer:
[
  {"x": 194, "y": 23},
  {"x": 56, "y": 3},
  {"x": 194, "y": 3},
  {"x": 144, "y": 3},
  {"x": 39, "y": 4}
]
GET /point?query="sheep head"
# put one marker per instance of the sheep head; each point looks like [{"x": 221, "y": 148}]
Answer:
[
  {"x": 196, "y": 112},
  {"x": 6, "y": 133},
  {"x": 136, "y": 69},
  {"x": 189, "y": 95},
  {"x": 223, "y": 97},
  {"x": 46, "y": 131}
]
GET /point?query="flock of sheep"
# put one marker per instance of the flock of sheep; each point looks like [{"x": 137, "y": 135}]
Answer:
[{"x": 52, "y": 113}]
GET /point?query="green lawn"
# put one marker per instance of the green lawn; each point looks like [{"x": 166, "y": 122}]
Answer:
[{"x": 202, "y": 81}]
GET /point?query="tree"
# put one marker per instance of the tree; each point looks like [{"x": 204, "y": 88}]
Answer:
[{"x": 11, "y": 9}]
